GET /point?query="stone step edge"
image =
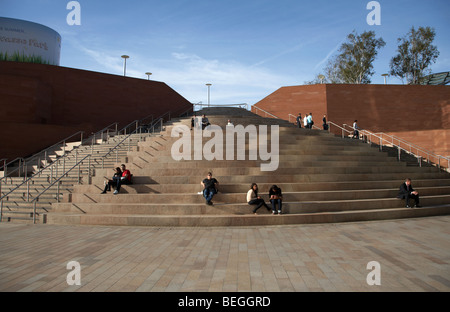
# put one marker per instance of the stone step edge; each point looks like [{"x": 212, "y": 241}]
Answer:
[{"x": 247, "y": 220}]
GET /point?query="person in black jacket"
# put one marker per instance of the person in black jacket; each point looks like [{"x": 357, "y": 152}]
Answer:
[
  {"x": 275, "y": 198},
  {"x": 117, "y": 174},
  {"x": 407, "y": 192},
  {"x": 210, "y": 188}
]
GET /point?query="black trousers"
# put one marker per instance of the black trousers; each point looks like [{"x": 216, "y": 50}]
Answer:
[
  {"x": 259, "y": 202},
  {"x": 408, "y": 197}
]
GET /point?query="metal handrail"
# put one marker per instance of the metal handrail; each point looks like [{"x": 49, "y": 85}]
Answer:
[
  {"x": 330, "y": 123},
  {"x": 36, "y": 199},
  {"x": 159, "y": 120},
  {"x": 94, "y": 135},
  {"x": 5, "y": 167},
  {"x": 25, "y": 161},
  {"x": 27, "y": 181},
  {"x": 366, "y": 134},
  {"x": 265, "y": 112},
  {"x": 242, "y": 105},
  {"x": 409, "y": 149}
]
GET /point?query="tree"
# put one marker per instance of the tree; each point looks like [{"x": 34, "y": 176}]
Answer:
[
  {"x": 319, "y": 79},
  {"x": 415, "y": 55},
  {"x": 332, "y": 71},
  {"x": 354, "y": 63}
]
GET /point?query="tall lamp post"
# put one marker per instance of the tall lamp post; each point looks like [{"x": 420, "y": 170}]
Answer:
[
  {"x": 209, "y": 94},
  {"x": 321, "y": 77},
  {"x": 125, "y": 57},
  {"x": 385, "y": 75},
  {"x": 148, "y": 75}
]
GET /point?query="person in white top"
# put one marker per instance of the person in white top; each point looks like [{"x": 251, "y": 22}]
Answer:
[
  {"x": 355, "y": 130},
  {"x": 310, "y": 121},
  {"x": 254, "y": 199}
]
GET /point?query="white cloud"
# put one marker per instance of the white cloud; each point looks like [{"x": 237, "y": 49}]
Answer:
[{"x": 232, "y": 82}]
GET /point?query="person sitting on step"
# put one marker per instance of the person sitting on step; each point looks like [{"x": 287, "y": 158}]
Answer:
[
  {"x": 276, "y": 198},
  {"x": 108, "y": 183},
  {"x": 210, "y": 188},
  {"x": 254, "y": 199},
  {"x": 124, "y": 179},
  {"x": 407, "y": 192}
]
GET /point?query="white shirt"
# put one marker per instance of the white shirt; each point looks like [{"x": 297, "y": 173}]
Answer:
[{"x": 251, "y": 195}]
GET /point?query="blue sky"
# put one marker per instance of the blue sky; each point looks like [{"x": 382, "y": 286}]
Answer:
[{"x": 247, "y": 49}]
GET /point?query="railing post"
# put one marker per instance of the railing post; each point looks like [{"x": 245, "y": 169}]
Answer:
[
  {"x": 57, "y": 191},
  {"x": 34, "y": 210},
  {"x": 79, "y": 173},
  {"x": 1, "y": 210},
  {"x": 89, "y": 169},
  {"x": 28, "y": 191}
]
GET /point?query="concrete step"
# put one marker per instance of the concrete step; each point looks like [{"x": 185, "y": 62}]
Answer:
[
  {"x": 263, "y": 187},
  {"x": 317, "y": 196},
  {"x": 324, "y": 178},
  {"x": 230, "y": 172},
  {"x": 244, "y": 220},
  {"x": 277, "y": 179}
]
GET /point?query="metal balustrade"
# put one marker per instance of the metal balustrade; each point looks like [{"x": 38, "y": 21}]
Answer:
[
  {"x": 383, "y": 139},
  {"x": 136, "y": 131}
]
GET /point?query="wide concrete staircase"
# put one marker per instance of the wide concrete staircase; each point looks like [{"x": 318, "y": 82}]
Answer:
[
  {"x": 324, "y": 178},
  {"x": 34, "y": 194}
]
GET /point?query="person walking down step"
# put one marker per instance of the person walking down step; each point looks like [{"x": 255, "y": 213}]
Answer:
[
  {"x": 254, "y": 199},
  {"x": 299, "y": 120},
  {"x": 355, "y": 130}
]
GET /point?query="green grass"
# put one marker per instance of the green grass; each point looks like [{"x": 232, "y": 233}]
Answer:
[{"x": 16, "y": 57}]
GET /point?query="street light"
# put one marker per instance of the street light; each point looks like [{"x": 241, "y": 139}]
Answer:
[
  {"x": 209, "y": 94},
  {"x": 321, "y": 77},
  {"x": 148, "y": 75},
  {"x": 385, "y": 75},
  {"x": 125, "y": 57}
]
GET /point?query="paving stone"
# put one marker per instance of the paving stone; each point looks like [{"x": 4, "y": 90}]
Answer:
[{"x": 414, "y": 255}]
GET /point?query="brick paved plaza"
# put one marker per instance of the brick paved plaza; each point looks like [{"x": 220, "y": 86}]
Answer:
[{"x": 414, "y": 255}]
